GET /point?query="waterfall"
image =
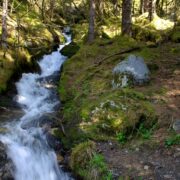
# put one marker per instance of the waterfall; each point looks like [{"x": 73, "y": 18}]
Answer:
[{"x": 26, "y": 141}]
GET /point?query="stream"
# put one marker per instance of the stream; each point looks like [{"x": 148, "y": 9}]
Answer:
[{"x": 26, "y": 141}]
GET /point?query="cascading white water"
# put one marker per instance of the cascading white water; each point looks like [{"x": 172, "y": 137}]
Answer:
[{"x": 27, "y": 147}]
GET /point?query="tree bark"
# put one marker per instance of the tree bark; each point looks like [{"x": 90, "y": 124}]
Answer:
[
  {"x": 141, "y": 10},
  {"x": 4, "y": 25},
  {"x": 91, "y": 32},
  {"x": 126, "y": 17},
  {"x": 152, "y": 9},
  {"x": 145, "y": 5}
]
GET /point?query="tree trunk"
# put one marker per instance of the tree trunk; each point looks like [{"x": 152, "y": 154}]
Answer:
[
  {"x": 52, "y": 4},
  {"x": 126, "y": 17},
  {"x": 42, "y": 9},
  {"x": 141, "y": 10},
  {"x": 4, "y": 26},
  {"x": 152, "y": 9},
  {"x": 91, "y": 32},
  {"x": 145, "y": 5},
  {"x": 175, "y": 12}
]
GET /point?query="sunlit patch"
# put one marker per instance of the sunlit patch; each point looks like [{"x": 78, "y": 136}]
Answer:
[{"x": 162, "y": 24}]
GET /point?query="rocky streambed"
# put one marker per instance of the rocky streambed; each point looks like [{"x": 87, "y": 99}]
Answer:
[{"x": 27, "y": 142}]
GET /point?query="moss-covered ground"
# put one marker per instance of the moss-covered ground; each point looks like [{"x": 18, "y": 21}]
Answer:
[{"x": 93, "y": 110}]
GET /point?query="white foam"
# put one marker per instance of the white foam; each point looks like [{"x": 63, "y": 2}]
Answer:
[{"x": 28, "y": 148}]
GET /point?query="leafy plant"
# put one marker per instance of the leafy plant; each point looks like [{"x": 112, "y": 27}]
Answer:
[
  {"x": 144, "y": 132},
  {"x": 173, "y": 140},
  {"x": 98, "y": 163},
  {"x": 121, "y": 137}
]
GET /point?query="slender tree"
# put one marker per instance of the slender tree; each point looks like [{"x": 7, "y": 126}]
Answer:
[
  {"x": 152, "y": 9},
  {"x": 141, "y": 10},
  {"x": 126, "y": 17},
  {"x": 4, "y": 25},
  {"x": 91, "y": 32}
]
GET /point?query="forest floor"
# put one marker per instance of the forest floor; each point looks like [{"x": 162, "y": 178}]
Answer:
[
  {"x": 150, "y": 159},
  {"x": 155, "y": 157}
]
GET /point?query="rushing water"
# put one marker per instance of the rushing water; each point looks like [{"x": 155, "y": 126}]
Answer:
[{"x": 26, "y": 143}]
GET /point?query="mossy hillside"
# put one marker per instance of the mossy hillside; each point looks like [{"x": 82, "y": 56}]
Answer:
[
  {"x": 92, "y": 108},
  {"x": 27, "y": 42}
]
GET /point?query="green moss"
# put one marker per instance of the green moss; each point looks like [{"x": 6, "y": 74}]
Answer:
[
  {"x": 87, "y": 163},
  {"x": 148, "y": 54},
  {"x": 85, "y": 87},
  {"x": 174, "y": 139},
  {"x": 70, "y": 49},
  {"x": 176, "y": 35}
]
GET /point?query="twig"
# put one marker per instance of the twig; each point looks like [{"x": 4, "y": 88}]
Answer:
[{"x": 119, "y": 53}]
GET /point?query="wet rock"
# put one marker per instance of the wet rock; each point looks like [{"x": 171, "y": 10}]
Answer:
[
  {"x": 146, "y": 167},
  {"x": 47, "y": 119},
  {"x": 70, "y": 50},
  {"x": 168, "y": 176},
  {"x": 176, "y": 126},
  {"x": 131, "y": 71},
  {"x": 53, "y": 142},
  {"x": 5, "y": 165}
]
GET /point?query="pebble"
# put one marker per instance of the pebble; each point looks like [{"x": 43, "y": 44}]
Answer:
[
  {"x": 146, "y": 167},
  {"x": 168, "y": 176},
  {"x": 176, "y": 126}
]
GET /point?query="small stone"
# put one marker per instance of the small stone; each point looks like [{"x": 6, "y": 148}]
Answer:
[
  {"x": 176, "y": 126},
  {"x": 177, "y": 154},
  {"x": 146, "y": 167},
  {"x": 167, "y": 176},
  {"x": 137, "y": 149}
]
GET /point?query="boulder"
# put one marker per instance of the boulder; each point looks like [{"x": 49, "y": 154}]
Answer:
[
  {"x": 70, "y": 50},
  {"x": 6, "y": 165},
  {"x": 131, "y": 71}
]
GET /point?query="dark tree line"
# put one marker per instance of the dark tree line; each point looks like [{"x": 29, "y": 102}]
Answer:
[{"x": 97, "y": 10}]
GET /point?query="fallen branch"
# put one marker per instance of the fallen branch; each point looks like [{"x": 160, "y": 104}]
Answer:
[{"x": 119, "y": 53}]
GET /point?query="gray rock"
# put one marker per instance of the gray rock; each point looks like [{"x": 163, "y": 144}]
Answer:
[
  {"x": 133, "y": 70},
  {"x": 176, "y": 126},
  {"x": 6, "y": 165}
]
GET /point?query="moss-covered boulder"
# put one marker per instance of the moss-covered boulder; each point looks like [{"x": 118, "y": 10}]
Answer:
[{"x": 70, "y": 49}]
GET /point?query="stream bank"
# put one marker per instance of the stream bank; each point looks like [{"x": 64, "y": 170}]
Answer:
[
  {"x": 27, "y": 137},
  {"x": 103, "y": 126}
]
